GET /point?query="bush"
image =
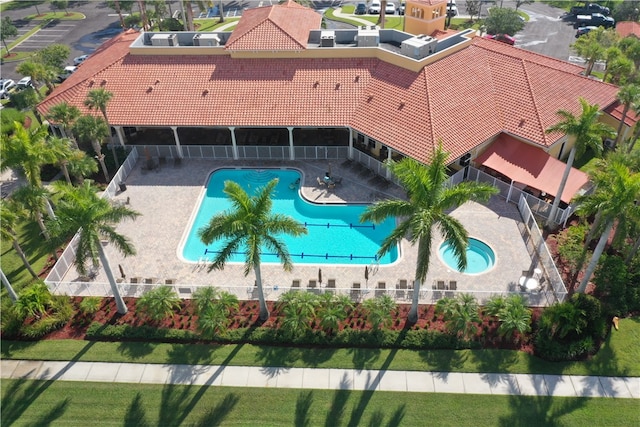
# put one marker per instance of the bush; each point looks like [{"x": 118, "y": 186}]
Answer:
[
  {"x": 24, "y": 99},
  {"x": 7, "y": 117},
  {"x": 90, "y": 305},
  {"x": 571, "y": 244},
  {"x": 11, "y": 319}
]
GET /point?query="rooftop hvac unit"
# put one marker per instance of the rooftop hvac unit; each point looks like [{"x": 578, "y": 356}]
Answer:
[
  {"x": 368, "y": 37},
  {"x": 164, "y": 40},
  {"x": 201, "y": 39},
  {"x": 327, "y": 38},
  {"x": 418, "y": 47}
]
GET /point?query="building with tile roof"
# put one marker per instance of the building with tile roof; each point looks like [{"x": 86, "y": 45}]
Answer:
[{"x": 370, "y": 93}]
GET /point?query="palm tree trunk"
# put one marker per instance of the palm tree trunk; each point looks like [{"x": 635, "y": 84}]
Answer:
[
  {"x": 624, "y": 116},
  {"x": 122, "y": 307},
  {"x": 65, "y": 172},
  {"x": 23, "y": 257},
  {"x": 563, "y": 182},
  {"x": 221, "y": 13},
  {"x": 264, "y": 310},
  {"x": 43, "y": 228},
  {"x": 596, "y": 257},
  {"x": 634, "y": 251},
  {"x": 412, "y": 317},
  {"x": 117, "y": 4},
  {"x": 12, "y": 294}
]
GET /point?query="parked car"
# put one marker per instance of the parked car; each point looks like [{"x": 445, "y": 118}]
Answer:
[
  {"x": 361, "y": 9},
  {"x": 590, "y": 8},
  {"x": 504, "y": 38},
  {"x": 68, "y": 70},
  {"x": 375, "y": 7},
  {"x": 585, "y": 30},
  {"x": 390, "y": 9},
  {"x": 452, "y": 9},
  {"x": 595, "y": 19},
  {"x": 24, "y": 83},
  {"x": 5, "y": 86},
  {"x": 401, "y": 9},
  {"x": 79, "y": 59}
]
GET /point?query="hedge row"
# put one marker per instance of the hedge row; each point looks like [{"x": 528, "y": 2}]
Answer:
[{"x": 409, "y": 339}]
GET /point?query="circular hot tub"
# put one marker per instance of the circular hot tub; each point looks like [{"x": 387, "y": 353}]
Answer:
[{"x": 480, "y": 257}]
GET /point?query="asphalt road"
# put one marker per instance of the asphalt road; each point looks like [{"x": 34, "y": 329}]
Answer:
[{"x": 545, "y": 33}]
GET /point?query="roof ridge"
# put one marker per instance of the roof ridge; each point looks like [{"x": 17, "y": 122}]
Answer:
[
  {"x": 429, "y": 110},
  {"x": 533, "y": 101}
]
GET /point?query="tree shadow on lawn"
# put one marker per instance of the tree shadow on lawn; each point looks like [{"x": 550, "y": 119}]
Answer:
[
  {"x": 8, "y": 347},
  {"x": 18, "y": 397},
  {"x": 136, "y": 416},
  {"x": 303, "y": 403},
  {"x": 541, "y": 411},
  {"x": 135, "y": 350},
  {"x": 444, "y": 360},
  {"x": 364, "y": 357}
]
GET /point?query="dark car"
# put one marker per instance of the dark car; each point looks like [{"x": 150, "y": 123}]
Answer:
[
  {"x": 361, "y": 9},
  {"x": 590, "y": 8},
  {"x": 585, "y": 30},
  {"x": 401, "y": 9}
]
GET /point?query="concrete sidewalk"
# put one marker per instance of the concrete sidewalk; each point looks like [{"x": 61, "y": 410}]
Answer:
[{"x": 330, "y": 379}]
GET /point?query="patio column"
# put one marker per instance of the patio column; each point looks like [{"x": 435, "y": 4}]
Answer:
[
  {"x": 387, "y": 173},
  {"x": 234, "y": 145},
  {"x": 292, "y": 155},
  {"x": 350, "y": 151},
  {"x": 178, "y": 146},
  {"x": 120, "y": 134}
]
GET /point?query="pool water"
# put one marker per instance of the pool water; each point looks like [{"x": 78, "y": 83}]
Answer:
[
  {"x": 335, "y": 234},
  {"x": 480, "y": 257}
]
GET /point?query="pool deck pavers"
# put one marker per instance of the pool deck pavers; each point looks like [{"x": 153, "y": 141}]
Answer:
[
  {"x": 168, "y": 198},
  {"x": 328, "y": 379}
]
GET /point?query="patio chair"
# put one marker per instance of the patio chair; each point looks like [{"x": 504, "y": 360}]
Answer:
[
  {"x": 312, "y": 284},
  {"x": 355, "y": 291},
  {"x": 440, "y": 285},
  {"x": 331, "y": 283},
  {"x": 136, "y": 280},
  {"x": 169, "y": 281},
  {"x": 295, "y": 285},
  {"x": 453, "y": 285},
  {"x": 321, "y": 183},
  {"x": 381, "y": 288}
]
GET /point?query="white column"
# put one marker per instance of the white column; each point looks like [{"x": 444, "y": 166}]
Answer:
[
  {"x": 388, "y": 172},
  {"x": 120, "y": 134},
  {"x": 292, "y": 155},
  {"x": 178, "y": 146},
  {"x": 234, "y": 144}
]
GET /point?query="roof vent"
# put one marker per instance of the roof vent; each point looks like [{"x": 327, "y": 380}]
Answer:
[
  {"x": 205, "y": 92},
  {"x": 103, "y": 82},
  {"x": 316, "y": 84},
  {"x": 337, "y": 86},
  {"x": 401, "y": 105},
  {"x": 356, "y": 79},
  {"x": 157, "y": 81},
  {"x": 370, "y": 97},
  {"x": 149, "y": 89},
  {"x": 522, "y": 122}
]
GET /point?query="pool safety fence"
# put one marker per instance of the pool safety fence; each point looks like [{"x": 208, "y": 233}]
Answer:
[
  {"x": 294, "y": 256},
  {"x": 273, "y": 291}
]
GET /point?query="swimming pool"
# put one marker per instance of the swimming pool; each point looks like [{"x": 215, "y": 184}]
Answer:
[
  {"x": 335, "y": 234},
  {"x": 480, "y": 257}
]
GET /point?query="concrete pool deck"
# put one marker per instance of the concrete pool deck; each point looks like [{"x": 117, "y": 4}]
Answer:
[{"x": 167, "y": 198}]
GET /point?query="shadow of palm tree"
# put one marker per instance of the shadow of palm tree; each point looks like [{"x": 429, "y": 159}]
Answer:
[
  {"x": 136, "y": 415},
  {"x": 444, "y": 360},
  {"x": 53, "y": 414},
  {"x": 376, "y": 418},
  {"x": 303, "y": 404},
  {"x": 177, "y": 401},
  {"x": 362, "y": 357},
  {"x": 135, "y": 350},
  {"x": 215, "y": 416},
  {"x": 397, "y": 416},
  {"x": 545, "y": 410},
  {"x": 336, "y": 412},
  {"x": 8, "y": 347},
  {"x": 13, "y": 407}
]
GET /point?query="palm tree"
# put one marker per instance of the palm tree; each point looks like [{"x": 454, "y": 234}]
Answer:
[
  {"x": 10, "y": 213},
  {"x": 98, "y": 99},
  {"x": 616, "y": 194},
  {"x": 35, "y": 70},
  {"x": 82, "y": 210},
  {"x": 514, "y": 317},
  {"x": 627, "y": 95},
  {"x": 35, "y": 201},
  {"x": 93, "y": 130},
  {"x": 379, "y": 310},
  {"x": 429, "y": 200},
  {"x": 461, "y": 314},
  {"x": 587, "y": 132},
  {"x": 12, "y": 293},
  {"x": 159, "y": 303},
  {"x": 81, "y": 165},
  {"x": 299, "y": 308},
  {"x": 66, "y": 115},
  {"x": 251, "y": 225},
  {"x": 65, "y": 154}
]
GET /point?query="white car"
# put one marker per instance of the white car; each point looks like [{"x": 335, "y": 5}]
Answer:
[
  {"x": 68, "y": 70},
  {"x": 5, "y": 86},
  {"x": 452, "y": 9},
  {"x": 24, "y": 83},
  {"x": 79, "y": 59},
  {"x": 390, "y": 9},
  {"x": 375, "y": 7}
]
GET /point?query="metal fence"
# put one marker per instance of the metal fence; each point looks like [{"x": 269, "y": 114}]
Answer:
[
  {"x": 274, "y": 292},
  {"x": 540, "y": 250},
  {"x": 245, "y": 152},
  {"x": 513, "y": 195}
]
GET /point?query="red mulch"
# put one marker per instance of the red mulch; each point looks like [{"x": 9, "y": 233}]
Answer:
[{"x": 248, "y": 312}]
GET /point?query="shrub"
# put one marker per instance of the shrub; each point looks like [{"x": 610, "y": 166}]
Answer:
[
  {"x": 34, "y": 300},
  {"x": 571, "y": 244},
  {"x": 90, "y": 305},
  {"x": 460, "y": 314},
  {"x": 612, "y": 280},
  {"x": 158, "y": 303},
  {"x": 379, "y": 310},
  {"x": 11, "y": 319}
]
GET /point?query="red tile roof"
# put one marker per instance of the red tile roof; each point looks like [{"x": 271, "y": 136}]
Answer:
[
  {"x": 628, "y": 28},
  {"x": 532, "y": 166},
  {"x": 463, "y": 99},
  {"x": 285, "y": 26}
]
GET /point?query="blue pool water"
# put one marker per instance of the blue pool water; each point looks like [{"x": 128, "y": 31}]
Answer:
[
  {"x": 480, "y": 257},
  {"x": 335, "y": 234}
]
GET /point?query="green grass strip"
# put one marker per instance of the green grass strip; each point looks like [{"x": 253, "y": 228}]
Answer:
[
  {"x": 60, "y": 403},
  {"x": 618, "y": 356}
]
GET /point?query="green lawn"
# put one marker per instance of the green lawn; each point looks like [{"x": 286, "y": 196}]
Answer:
[
  {"x": 618, "y": 357},
  {"x": 59, "y": 403}
]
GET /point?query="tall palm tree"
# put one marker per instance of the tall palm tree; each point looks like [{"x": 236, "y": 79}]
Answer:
[
  {"x": 98, "y": 99},
  {"x": 82, "y": 210},
  {"x": 587, "y": 132},
  {"x": 13, "y": 296},
  {"x": 429, "y": 199},
  {"x": 616, "y": 194},
  {"x": 65, "y": 154},
  {"x": 251, "y": 226},
  {"x": 81, "y": 165},
  {"x": 66, "y": 115},
  {"x": 628, "y": 95},
  {"x": 10, "y": 213},
  {"x": 34, "y": 200},
  {"x": 94, "y": 130},
  {"x": 35, "y": 70}
]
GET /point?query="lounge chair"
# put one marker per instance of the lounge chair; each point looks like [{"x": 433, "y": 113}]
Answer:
[{"x": 321, "y": 183}]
